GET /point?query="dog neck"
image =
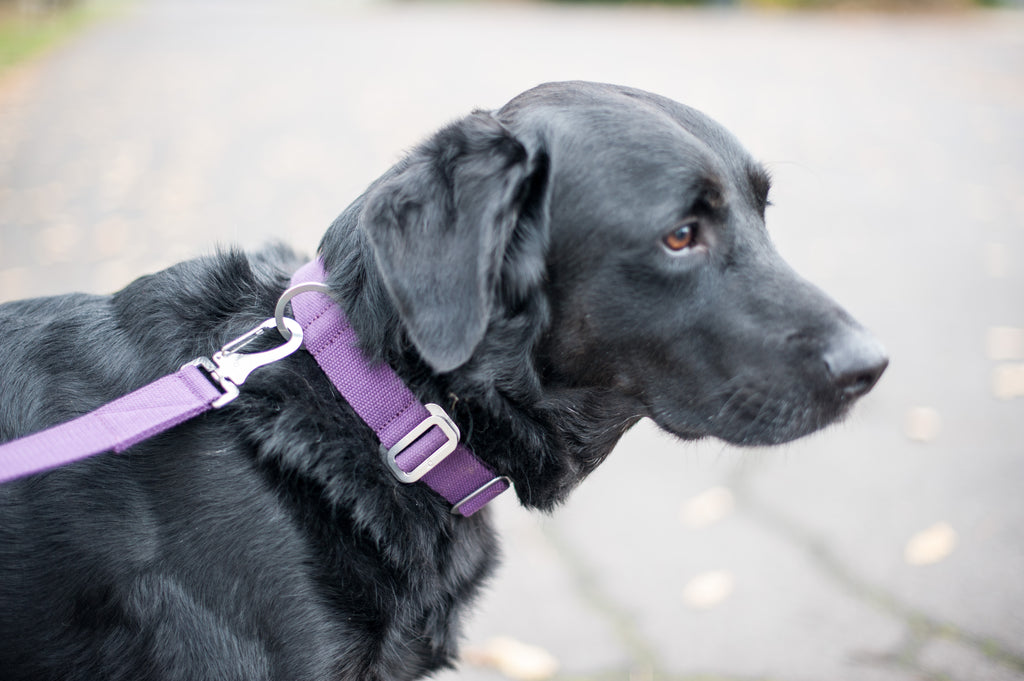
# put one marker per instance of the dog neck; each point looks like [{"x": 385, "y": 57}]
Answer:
[{"x": 508, "y": 416}]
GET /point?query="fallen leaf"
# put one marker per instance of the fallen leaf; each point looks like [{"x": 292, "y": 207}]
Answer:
[
  {"x": 997, "y": 260},
  {"x": 644, "y": 673},
  {"x": 515, "y": 659},
  {"x": 59, "y": 242},
  {"x": 1008, "y": 381},
  {"x": 707, "y": 507},
  {"x": 922, "y": 424},
  {"x": 1005, "y": 342},
  {"x": 14, "y": 283},
  {"x": 931, "y": 545},
  {"x": 708, "y": 589}
]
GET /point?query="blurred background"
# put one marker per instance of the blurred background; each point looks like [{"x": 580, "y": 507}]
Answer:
[{"x": 136, "y": 133}]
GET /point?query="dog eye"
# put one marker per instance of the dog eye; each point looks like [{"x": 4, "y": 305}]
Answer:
[{"x": 682, "y": 237}]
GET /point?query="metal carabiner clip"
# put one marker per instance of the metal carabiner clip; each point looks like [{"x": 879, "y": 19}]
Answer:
[{"x": 229, "y": 366}]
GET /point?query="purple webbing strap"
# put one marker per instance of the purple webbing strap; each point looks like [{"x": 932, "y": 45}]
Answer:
[
  {"x": 115, "y": 426},
  {"x": 383, "y": 401}
]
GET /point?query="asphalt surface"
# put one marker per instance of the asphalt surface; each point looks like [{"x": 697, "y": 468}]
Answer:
[{"x": 889, "y": 548}]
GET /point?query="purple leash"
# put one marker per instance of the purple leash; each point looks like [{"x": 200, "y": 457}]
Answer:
[
  {"x": 115, "y": 426},
  {"x": 197, "y": 387},
  {"x": 418, "y": 442}
]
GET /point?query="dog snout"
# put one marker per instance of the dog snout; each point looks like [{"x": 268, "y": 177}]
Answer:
[{"x": 855, "y": 361}]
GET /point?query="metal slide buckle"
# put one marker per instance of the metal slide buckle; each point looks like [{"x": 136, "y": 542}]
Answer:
[
  {"x": 439, "y": 418},
  {"x": 229, "y": 367}
]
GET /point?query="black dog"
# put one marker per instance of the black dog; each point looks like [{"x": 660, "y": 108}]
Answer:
[{"x": 550, "y": 273}]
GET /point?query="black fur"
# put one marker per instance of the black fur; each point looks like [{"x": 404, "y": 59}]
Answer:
[{"x": 511, "y": 269}]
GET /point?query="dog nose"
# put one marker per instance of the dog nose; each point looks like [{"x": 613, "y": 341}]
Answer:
[{"x": 855, "y": 362}]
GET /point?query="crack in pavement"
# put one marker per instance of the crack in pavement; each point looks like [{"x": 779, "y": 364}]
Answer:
[
  {"x": 921, "y": 627},
  {"x": 642, "y": 652},
  {"x": 647, "y": 675},
  {"x": 646, "y": 663}
]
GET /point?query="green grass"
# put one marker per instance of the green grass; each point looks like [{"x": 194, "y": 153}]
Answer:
[{"x": 24, "y": 34}]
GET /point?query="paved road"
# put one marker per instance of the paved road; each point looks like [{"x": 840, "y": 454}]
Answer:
[{"x": 887, "y": 549}]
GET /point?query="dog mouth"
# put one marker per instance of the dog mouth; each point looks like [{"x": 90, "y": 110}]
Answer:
[
  {"x": 749, "y": 417},
  {"x": 802, "y": 390}
]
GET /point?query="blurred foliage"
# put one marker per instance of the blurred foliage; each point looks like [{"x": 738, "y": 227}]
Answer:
[
  {"x": 874, "y": 5},
  {"x": 898, "y": 5},
  {"x": 29, "y": 27}
]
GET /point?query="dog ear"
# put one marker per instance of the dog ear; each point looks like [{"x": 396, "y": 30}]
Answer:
[{"x": 439, "y": 224}]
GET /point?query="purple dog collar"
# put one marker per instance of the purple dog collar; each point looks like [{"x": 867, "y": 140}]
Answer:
[{"x": 418, "y": 442}]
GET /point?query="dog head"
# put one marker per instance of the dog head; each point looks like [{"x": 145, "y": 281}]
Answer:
[{"x": 604, "y": 249}]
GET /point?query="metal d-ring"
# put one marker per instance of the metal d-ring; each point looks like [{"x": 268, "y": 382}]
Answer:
[{"x": 287, "y": 296}]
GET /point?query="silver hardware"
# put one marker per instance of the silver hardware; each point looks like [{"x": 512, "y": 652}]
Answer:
[
  {"x": 439, "y": 418},
  {"x": 457, "y": 508},
  {"x": 279, "y": 317},
  {"x": 229, "y": 388},
  {"x": 229, "y": 367}
]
